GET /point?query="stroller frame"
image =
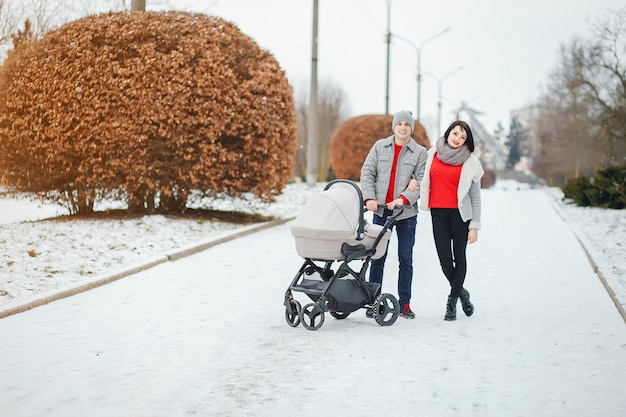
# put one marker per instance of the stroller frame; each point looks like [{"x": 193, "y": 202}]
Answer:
[{"x": 344, "y": 290}]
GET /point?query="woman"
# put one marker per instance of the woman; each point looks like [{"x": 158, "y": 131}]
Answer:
[{"x": 450, "y": 189}]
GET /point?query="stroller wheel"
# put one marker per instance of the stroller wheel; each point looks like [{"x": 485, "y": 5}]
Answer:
[
  {"x": 312, "y": 316},
  {"x": 293, "y": 316},
  {"x": 339, "y": 315},
  {"x": 386, "y": 309}
]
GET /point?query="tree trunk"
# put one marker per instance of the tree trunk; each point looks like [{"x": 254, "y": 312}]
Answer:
[{"x": 138, "y": 5}]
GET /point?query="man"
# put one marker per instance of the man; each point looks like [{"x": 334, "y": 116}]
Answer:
[{"x": 389, "y": 166}]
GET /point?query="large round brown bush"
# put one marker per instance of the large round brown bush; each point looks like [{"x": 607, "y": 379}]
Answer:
[
  {"x": 352, "y": 141},
  {"x": 150, "y": 104}
]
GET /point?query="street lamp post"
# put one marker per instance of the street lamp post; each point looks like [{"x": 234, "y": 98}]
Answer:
[
  {"x": 312, "y": 169},
  {"x": 419, "y": 69},
  {"x": 439, "y": 95},
  {"x": 388, "y": 40},
  {"x": 418, "y": 52}
]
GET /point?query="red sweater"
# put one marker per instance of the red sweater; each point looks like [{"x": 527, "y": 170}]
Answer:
[
  {"x": 391, "y": 194},
  {"x": 444, "y": 183}
]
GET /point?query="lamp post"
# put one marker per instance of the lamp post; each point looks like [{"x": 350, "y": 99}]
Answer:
[
  {"x": 418, "y": 51},
  {"x": 388, "y": 41},
  {"x": 419, "y": 69},
  {"x": 439, "y": 84},
  {"x": 312, "y": 169}
]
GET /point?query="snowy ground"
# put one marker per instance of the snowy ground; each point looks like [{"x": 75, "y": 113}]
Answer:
[
  {"x": 44, "y": 257},
  {"x": 206, "y": 335},
  {"x": 40, "y": 258}
]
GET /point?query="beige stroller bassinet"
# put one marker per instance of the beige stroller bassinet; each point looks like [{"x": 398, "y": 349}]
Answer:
[
  {"x": 333, "y": 218},
  {"x": 332, "y": 228}
]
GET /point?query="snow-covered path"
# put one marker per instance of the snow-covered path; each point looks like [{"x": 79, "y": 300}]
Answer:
[{"x": 206, "y": 336}]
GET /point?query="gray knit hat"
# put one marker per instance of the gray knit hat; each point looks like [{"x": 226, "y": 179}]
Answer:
[{"x": 403, "y": 116}]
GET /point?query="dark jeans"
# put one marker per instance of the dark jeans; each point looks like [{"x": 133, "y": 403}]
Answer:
[
  {"x": 450, "y": 233},
  {"x": 405, "y": 229}
]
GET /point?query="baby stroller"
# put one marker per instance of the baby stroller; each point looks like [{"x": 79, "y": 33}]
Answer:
[{"x": 331, "y": 231}]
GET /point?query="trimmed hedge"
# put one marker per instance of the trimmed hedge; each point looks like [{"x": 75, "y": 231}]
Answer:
[
  {"x": 153, "y": 104},
  {"x": 352, "y": 141}
]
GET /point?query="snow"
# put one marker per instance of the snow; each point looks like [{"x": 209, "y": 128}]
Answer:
[
  {"x": 205, "y": 334},
  {"x": 41, "y": 258}
]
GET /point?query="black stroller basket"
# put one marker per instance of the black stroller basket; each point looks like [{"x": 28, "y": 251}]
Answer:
[{"x": 331, "y": 232}]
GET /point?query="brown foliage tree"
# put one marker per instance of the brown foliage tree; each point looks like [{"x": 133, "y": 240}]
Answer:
[
  {"x": 353, "y": 139},
  {"x": 152, "y": 104}
]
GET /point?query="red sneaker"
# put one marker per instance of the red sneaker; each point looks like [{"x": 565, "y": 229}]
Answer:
[{"x": 405, "y": 311}]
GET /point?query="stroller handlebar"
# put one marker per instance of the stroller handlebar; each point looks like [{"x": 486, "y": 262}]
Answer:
[{"x": 397, "y": 210}]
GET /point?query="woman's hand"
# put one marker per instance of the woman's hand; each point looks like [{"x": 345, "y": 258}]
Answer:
[
  {"x": 413, "y": 185},
  {"x": 472, "y": 235}
]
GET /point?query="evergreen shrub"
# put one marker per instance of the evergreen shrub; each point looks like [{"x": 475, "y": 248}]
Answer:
[{"x": 607, "y": 189}]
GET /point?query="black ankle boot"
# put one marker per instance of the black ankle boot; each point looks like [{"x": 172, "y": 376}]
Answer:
[
  {"x": 451, "y": 308},
  {"x": 468, "y": 307}
]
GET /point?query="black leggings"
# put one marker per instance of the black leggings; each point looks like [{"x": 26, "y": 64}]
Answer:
[{"x": 450, "y": 233}]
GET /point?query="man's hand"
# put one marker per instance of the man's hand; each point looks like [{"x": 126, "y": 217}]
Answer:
[
  {"x": 395, "y": 203},
  {"x": 372, "y": 205}
]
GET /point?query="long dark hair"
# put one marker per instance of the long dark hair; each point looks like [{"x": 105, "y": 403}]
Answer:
[{"x": 470, "y": 137}]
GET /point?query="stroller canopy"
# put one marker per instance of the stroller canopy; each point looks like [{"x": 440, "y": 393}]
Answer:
[{"x": 334, "y": 213}]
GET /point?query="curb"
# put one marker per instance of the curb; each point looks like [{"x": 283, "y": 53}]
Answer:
[
  {"x": 607, "y": 287},
  {"x": 168, "y": 257},
  {"x": 594, "y": 266}
]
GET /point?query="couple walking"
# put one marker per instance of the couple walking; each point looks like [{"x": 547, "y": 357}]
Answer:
[{"x": 446, "y": 179}]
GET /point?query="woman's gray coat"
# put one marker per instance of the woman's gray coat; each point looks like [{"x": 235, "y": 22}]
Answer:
[{"x": 468, "y": 193}]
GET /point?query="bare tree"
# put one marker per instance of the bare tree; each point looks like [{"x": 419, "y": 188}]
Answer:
[
  {"x": 332, "y": 109},
  {"x": 582, "y": 126},
  {"x": 606, "y": 82},
  {"x": 562, "y": 138},
  {"x": 87, "y": 7},
  {"x": 9, "y": 23},
  {"x": 46, "y": 15},
  {"x": 138, "y": 5}
]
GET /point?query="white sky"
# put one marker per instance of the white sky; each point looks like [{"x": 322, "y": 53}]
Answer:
[{"x": 507, "y": 49}]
